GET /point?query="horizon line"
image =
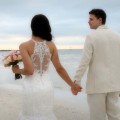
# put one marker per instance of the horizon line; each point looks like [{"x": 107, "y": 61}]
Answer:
[{"x": 59, "y": 47}]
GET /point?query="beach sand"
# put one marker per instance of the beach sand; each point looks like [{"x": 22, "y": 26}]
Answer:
[{"x": 66, "y": 105}]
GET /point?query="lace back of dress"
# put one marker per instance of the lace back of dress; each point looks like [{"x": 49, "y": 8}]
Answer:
[{"x": 41, "y": 57}]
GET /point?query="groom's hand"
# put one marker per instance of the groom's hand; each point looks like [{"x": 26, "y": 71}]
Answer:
[{"x": 76, "y": 88}]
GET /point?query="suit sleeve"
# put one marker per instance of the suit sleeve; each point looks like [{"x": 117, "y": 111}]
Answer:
[{"x": 85, "y": 60}]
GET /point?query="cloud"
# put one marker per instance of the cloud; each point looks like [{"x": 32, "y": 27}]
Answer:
[
  {"x": 67, "y": 17},
  {"x": 70, "y": 40}
]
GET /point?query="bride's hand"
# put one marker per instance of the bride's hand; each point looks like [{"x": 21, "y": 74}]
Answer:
[
  {"x": 15, "y": 68},
  {"x": 76, "y": 88}
]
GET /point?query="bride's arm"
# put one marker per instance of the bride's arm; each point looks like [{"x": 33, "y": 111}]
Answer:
[
  {"x": 61, "y": 70},
  {"x": 28, "y": 68}
]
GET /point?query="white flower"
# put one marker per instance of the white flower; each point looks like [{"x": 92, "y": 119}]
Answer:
[
  {"x": 19, "y": 57},
  {"x": 9, "y": 59},
  {"x": 6, "y": 62},
  {"x": 14, "y": 57}
]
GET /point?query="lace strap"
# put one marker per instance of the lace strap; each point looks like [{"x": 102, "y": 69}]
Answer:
[
  {"x": 33, "y": 40},
  {"x": 44, "y": 41}
]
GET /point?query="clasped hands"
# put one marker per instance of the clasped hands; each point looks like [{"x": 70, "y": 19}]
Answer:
[{"x": 76, "y": 88}]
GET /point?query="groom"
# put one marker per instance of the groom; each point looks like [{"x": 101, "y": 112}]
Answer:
[{"x": 102, "y": 55}]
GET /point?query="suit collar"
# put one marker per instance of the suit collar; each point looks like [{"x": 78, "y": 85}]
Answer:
[{"x": 102, "y": 27}]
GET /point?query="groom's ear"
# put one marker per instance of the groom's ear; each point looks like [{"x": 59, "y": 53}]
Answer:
[{"x": 100, "y": 19}]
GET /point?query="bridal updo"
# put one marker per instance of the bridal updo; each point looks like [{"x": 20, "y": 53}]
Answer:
[{"x": 40, "y": 27}]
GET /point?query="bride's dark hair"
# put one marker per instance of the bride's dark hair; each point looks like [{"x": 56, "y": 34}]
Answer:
[{"x": 40, "y": 27}]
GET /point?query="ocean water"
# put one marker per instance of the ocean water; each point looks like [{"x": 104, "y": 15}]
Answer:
[{"x": 69, "y": 59}]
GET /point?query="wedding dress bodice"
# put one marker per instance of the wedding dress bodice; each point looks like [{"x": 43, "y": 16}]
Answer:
[{"x": 41, "y": 57}]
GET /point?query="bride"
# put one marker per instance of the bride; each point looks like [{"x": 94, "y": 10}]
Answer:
[{"x": 37, "y": 85}]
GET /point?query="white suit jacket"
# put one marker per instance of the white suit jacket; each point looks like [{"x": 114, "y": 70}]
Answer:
[{"x": 101, "y": 55}]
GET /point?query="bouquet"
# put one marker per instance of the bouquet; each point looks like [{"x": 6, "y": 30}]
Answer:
[{"x": 12, "y": 59}]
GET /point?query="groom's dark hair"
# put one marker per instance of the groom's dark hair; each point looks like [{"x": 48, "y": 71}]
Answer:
[{"x": 99, "y": 13}]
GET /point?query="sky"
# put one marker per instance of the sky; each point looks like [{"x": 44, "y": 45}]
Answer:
[{"x": 68, "y": 20}]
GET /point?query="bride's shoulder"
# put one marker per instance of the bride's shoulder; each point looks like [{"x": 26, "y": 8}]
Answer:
[
  {"x": 51, "y": 46},
  {"x": 26, "y": 43}
]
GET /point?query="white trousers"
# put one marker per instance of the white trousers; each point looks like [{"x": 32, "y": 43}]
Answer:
[{"x": 104, "y": 104}]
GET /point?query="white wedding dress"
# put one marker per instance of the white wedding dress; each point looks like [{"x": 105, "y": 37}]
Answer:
[{"x": 38, "y": 88}]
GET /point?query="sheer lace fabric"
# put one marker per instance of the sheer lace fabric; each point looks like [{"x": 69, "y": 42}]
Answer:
[
  {"x": 38, "y": 88},
  {"x": 41, "y": 57}
]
